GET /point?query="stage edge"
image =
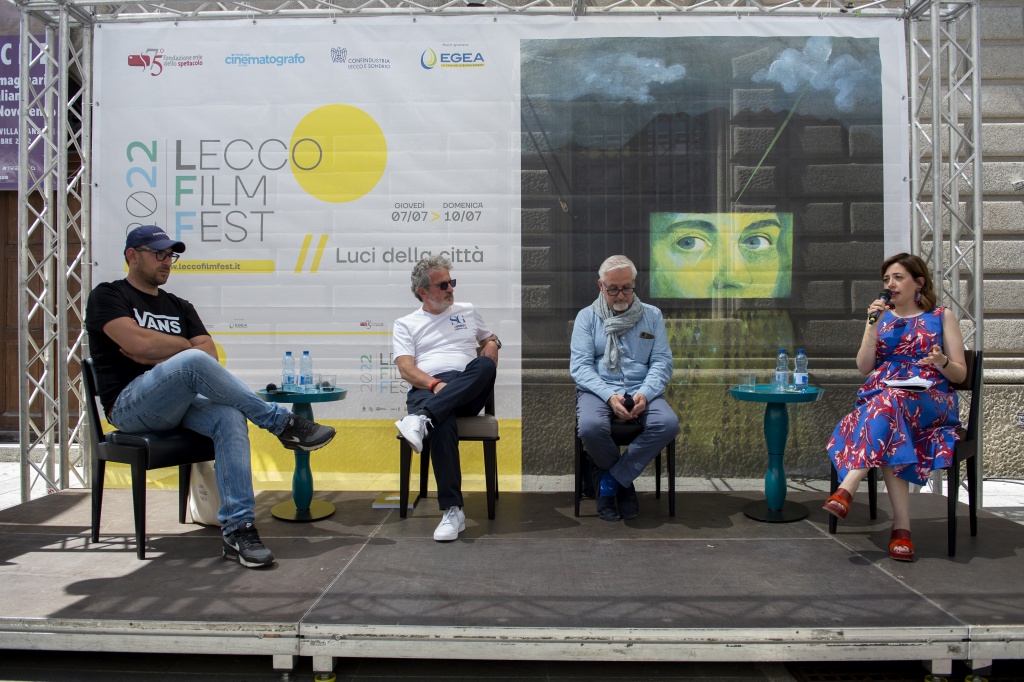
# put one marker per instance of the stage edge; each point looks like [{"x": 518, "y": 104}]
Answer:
[
  {"x": 937, "y": 645},
  {"x": 988, "y": 643},
  {"x": 279, "y": 640}
]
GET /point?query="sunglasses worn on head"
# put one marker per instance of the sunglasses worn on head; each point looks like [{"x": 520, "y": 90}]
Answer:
[
  {"x": 443, "y": 286},
  {"x": 161, "y": 255}
]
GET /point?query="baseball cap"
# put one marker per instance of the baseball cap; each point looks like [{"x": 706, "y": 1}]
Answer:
[{"x": 152, "y": 236}]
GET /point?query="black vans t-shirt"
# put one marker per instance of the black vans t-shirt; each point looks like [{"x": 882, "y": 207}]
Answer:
[{"x": 164, "y": 312}]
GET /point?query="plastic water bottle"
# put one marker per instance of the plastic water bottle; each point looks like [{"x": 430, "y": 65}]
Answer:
[
  {"x": 781, "y": 371},
  {"x": 800, "y": 371},
  {"x": 288, "y": 372},
  {"x": 306, "y": 372}
]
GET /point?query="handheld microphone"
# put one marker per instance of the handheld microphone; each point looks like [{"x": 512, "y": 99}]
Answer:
[
  {"x": 628, "y": 402},
  {"x": 271, "y": 388},
  {"x": 886, "y": 296}
]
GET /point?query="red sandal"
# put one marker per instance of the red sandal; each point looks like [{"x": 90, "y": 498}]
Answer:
[
  {"x": 839, "y": 503},
  {"x": 900, "y": 546}
]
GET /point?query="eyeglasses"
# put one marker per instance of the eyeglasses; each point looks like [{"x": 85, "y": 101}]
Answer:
[
  {"x": 443, "y": 286},
  {"x": 615, "y": 291},
  {"x": 161, "y": 255}
]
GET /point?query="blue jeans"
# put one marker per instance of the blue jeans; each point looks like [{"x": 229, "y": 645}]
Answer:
[
  {"x": 464, "y": 395},
  {"x": 193, "y": 390},
  {"x": 595, "y": 428}
]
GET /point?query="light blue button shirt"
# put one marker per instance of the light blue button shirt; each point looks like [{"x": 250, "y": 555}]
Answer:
[{"x": 645, "y": 365}]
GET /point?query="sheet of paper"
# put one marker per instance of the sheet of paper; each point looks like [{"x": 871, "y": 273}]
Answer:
[{"x": 911, "y": 384}]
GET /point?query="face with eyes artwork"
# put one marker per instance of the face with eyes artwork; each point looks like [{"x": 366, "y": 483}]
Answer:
[{"x": 720, "y": 255}]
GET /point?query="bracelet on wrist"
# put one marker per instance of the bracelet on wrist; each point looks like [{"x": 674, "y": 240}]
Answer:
[
  {"x": 433, "y": 384},
  {"x": 947, "y": 363}
]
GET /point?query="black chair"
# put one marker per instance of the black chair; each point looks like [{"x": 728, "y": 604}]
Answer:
[
  {"x": 623, "y": 433},
  {"x": 481, "y": 428},
  {"x": 142, "y": 451},
  {"x": 966, "y": 451}
]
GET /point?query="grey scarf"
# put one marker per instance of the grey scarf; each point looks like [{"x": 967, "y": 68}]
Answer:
[{"x": 615, "y": 326}]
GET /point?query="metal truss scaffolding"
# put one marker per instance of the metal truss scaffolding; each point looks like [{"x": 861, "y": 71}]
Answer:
[
  {"x": 944, "y": 40},
  {"x": 54, "y": 219}
]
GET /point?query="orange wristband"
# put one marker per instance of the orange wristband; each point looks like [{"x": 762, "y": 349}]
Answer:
[{"x": 433, "y": 383}]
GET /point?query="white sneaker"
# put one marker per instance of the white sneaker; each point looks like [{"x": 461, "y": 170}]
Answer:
[
  {"x": 413, "y": 428},
  {"x": 452, "y": 523}
]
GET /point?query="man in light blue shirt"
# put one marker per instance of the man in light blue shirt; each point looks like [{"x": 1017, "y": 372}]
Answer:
[{"x": 621, "y": 362}]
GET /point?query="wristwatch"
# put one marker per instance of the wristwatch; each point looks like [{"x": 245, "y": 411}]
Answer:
[{"x": 496, "y": 341}]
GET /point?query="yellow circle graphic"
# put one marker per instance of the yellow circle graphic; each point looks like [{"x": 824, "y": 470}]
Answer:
[
  {"x": 222, "y": 356},
  {"x": 338, "y": 153}
]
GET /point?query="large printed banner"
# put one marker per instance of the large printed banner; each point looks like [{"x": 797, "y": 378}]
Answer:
[{"x": 308, "y": 164}]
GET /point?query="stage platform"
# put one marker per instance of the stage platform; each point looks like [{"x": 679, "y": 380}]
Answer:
[{"x": 536, "y": 583}]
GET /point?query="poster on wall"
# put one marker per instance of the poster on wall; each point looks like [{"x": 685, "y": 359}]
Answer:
[{"x": 10, "y": 111}]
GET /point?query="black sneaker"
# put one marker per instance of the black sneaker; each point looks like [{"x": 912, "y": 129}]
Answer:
[
  {"x": 244, "y": 546},
  {"x": 302, "y": 434},
  {"x": 629, "y": 505},
  {"x": 607, "y": 509}
]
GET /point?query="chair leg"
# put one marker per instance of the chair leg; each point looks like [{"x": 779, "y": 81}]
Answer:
[
  {"x": 657, "y": 477},
  {"x": 972, "y": 489},
  {"x": 873, "y": 493},
  {"x": 833, "y": 522},
  {"x": 579, "y": 455},
  {"x": 490, "y": 475},
  {"x": 139, "y": 505},
  {"x": 404, "y": 471},
  {"x": 952, "y": 497},
  {"x": 671, "y": 452},
  {"x": 99, "y": 467},
  {"x": 495, "y": 471},
  {"x": 184, "y": 478},
  {"x": 424, "y": 469}
]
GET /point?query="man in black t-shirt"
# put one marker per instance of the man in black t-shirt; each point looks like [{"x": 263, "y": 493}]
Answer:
[{"x": 156, "y": 368}]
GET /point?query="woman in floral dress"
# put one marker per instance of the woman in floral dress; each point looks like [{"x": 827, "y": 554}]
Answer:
[{"x": 907, "y": 433}]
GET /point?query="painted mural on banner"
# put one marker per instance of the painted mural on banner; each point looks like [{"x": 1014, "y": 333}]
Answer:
[
  {"x": 10, "y": 97},
  {"x": 308, "y": 164},
  {"x": 713, "y": 154}
]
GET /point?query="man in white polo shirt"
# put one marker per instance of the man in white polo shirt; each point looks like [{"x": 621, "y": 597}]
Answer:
[{"x": 450, "y": 358}]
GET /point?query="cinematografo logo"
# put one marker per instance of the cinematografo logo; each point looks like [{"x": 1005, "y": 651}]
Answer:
[
  {"x": 339, "y": 55},
  {"x": 368, "y": 324},
  {"x": 451, "y": 57},
  {"x": 153, "y": 60},
  {"x": 249, "y": 59}
]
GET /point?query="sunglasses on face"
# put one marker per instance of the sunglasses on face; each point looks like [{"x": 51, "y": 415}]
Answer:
[{"x": 443, "y": 286}]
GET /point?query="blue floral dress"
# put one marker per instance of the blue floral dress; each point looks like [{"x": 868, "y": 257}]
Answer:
[{"x": 913, "y": 432}]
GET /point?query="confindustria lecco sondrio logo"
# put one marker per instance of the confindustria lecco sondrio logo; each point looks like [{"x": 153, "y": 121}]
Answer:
[
  {"x": 249, "y": 59},
  {"x": 153, "y": 60},
  {"x": 339, "y": 55},
  {"x": 451, "y": 57}
]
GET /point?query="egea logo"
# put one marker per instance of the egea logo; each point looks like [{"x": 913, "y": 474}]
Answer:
[
  {"x": 428, "y": 59},
  {"x": 451, "y": 60},
  {"x": 149, "y": 60}
]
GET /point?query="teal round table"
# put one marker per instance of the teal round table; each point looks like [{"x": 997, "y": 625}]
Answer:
[
  {"x": 774, "y": 508},
  {"x": 302, "y": 506}
]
